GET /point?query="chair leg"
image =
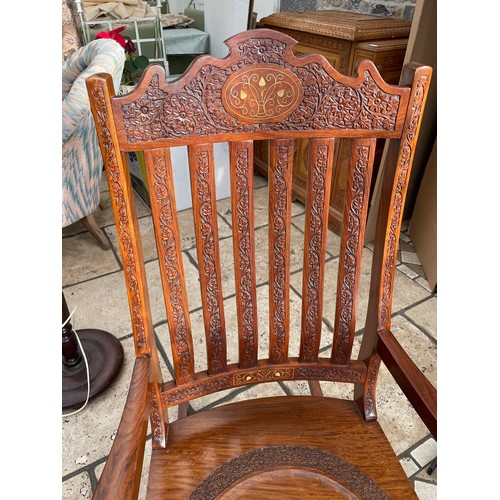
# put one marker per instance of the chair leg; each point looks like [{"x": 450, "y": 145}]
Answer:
[
  {"x": 315, "y": 388},
  {"x": 93, "y": 228}
]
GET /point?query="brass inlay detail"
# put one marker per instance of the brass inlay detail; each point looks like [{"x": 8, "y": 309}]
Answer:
[{"x": 265, "y": 92}]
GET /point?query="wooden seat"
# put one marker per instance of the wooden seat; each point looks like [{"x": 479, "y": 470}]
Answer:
[{"x": 276, "y": 447}]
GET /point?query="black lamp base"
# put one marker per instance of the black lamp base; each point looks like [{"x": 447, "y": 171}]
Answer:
[{"x": 104, "y": 354}]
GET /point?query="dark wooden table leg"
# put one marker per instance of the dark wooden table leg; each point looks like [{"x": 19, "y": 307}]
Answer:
[{"x": 104, "y": 354}]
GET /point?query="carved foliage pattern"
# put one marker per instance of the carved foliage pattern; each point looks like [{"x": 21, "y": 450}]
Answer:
[
  {"x": 271, "y": 457},
  {"x": 346, "y": 319},
  {"x": 338, "y": 374},
  {"x": 208, "y": 262},
  {"x": 315, "y": 256},
  {"x": 198, "y": 107},
  {"x": 198, "y": 389},
  {"x": 123, "y": 221},
  {"x": 247, "y": 281},
  {"x": 370, "y": 401},
  {"x": 403, "y": 168},
  {"x": 179, "y": 320},
  {"x": 279, "y": 261},
  {"x": 175, "y": 395},
  {"x": 157, "y": 423}
]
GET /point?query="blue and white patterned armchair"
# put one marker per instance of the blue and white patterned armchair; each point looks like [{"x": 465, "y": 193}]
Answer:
[{"x": 82, "y": 163}]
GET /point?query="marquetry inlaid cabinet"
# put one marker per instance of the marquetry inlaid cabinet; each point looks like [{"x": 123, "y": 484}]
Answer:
[{"x": 344, "y": 38}]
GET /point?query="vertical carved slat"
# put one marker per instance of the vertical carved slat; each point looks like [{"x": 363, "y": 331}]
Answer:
[
  {"x": 163, "y": 206},
  {"x": 280, "y": 199},
  {"x": 241, "y": 157},
  {"x": 159, "y": 419},
  {"x": 319, "y": 182},
  {"x": 398, "y": 195},
  {"x": 355, "y": 210},
  {"x": 201, "y": 163},
  {"x": 100, "y": 92},
  {"x": 397, "y": 170}
]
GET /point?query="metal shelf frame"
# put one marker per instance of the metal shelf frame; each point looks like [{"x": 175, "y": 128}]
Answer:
[{"x": 109, "y": 24}]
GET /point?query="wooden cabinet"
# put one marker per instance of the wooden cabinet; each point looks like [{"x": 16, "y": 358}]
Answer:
[{"x": 344, "y": 38}]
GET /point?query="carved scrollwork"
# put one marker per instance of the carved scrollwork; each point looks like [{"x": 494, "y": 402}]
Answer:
[
  {"x": 315, "y": 256},
  {"x": 260, "y": 459},
  {"x": 247, "y": 280},
  {"x": 350, "y": 262},
  {"x": 198, "y": 389},
  {"x": 330, "y": 373},
  {"x": 169, "y": 255},
  {"x": 280, "y": 260},
  {"x": 283, "y": 97},
  {"x": 122, "y": 218},
  {"x": 208, "y": 262},
  {"x": 398, "y": 198}
]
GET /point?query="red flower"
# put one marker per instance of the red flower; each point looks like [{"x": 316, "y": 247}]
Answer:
[
  {"x": 129, "y": 47},
  {"x": 114, "y": 35}
]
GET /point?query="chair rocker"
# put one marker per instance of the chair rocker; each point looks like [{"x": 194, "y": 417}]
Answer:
[{"x": 272, "y": 447}]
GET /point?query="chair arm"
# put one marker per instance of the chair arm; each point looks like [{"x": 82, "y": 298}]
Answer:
[
  {"x": 416, "y": 387},
  {"x": 122, "y": 473},
  {"x": 99, "y": 56}
]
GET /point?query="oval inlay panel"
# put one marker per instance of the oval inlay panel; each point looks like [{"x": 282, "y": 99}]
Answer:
[{"x": 264, "y": 92}]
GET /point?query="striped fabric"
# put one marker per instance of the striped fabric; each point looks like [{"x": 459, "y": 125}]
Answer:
[{"x": 81, "y": 158}]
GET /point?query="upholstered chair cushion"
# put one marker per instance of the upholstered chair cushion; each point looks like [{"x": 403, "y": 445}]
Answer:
[{"x": 81, "y": 158}]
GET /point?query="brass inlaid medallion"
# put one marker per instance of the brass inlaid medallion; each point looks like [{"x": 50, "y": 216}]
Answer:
[{"x": 263, "y": 93}]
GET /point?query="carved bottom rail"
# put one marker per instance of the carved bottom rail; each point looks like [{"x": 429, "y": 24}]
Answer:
[{"x": 205, "y": 384}]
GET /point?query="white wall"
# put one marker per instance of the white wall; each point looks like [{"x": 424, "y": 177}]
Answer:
[
  {"x": 176, "y": 6},
  {"x": 265, "y": 8},
  {"x": 223, "y": 19}
]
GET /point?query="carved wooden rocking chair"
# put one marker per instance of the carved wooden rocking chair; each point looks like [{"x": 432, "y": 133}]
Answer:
[{"x": 275, "y": 447}]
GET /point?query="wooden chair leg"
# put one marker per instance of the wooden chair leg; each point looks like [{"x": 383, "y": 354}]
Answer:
[
  {"x": 315, "y": 388},
  {"x": 93, "y": 228},
  {"x": 182, "y": 410}
]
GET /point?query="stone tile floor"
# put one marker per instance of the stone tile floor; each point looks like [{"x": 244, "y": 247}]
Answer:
[{"x": 93, "y": 283}]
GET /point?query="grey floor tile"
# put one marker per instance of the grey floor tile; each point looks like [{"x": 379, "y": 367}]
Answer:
[
  {"x": 425, "y": 315},
  {"x": 426, "y": 452},
  {"x": 409, "y": 466},
  {"x": 409, "y": 272},
  {"x": 259, "y": 181},
  {"x": 425, "y": 491},
  {"x": 399, "y": 421},
  {"x": 77, "y": 488},
  {"x": 83, "y": 259},
  {"x": 424, "y": 283}
]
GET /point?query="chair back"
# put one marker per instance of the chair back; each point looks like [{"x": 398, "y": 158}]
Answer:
[{"x": 260, "y": 91}]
